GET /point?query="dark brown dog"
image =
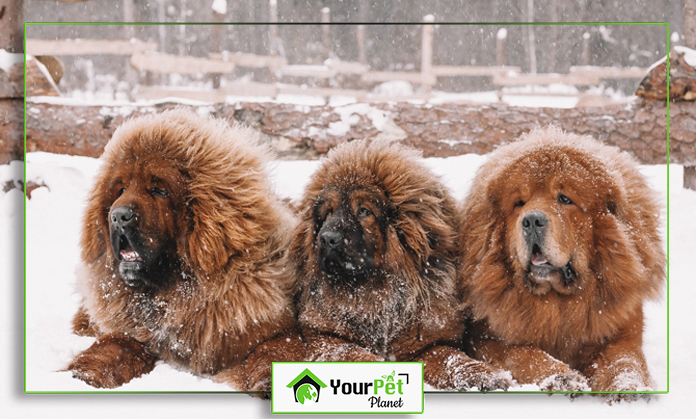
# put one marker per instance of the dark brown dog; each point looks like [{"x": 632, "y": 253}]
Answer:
[
  {"x": 184, "y": 251},
  {"x": 560, "y": 248},
  {"x": 375, "y": 252}
]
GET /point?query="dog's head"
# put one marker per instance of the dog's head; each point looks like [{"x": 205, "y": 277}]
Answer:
[
  {"x": 556, "y": 213},
  {"x": 146, "y": 216},
  {"x": 174, "y": 198},
  {"x": 550, "y": 202},
  {"x": 373, "y": 214},
  {"x": 351, "y": 232}
]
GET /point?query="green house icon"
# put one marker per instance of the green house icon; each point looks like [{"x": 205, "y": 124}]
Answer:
[{"x": 306, "y": 387}]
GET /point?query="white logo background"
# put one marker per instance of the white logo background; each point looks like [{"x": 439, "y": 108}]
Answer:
[{"x": 357, "y": 375}]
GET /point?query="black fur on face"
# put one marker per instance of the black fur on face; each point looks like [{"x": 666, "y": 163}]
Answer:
[
  {"x": 143, "y": 229},
  {"x": 350, "y": 229}
]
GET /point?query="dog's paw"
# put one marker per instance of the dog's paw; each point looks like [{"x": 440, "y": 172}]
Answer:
[
  {"x": 568, "y": 381},
  {"x": 612, "y": 398},
  {"x": 623, "y": 376},
  {"x": 112, "y": 361},
  {"x": 477, "y": 375},
  {"x": 494, "y": 380}
]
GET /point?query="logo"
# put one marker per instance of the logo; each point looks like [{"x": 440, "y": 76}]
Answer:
[
  {"x": 306, "y": 387},
  {"x": 347, "y": 387}
]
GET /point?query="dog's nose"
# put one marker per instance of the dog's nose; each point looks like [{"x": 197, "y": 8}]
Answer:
[
  {"x": 331, "y": 239},
  {"x": 534, "y": 222},
  {"x": 122, "y": 216}
]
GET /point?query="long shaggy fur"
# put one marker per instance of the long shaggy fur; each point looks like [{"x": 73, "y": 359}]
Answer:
[
  {"x": 616, "y": 251},
  {"x": 232, "y": 290},
  {"x": 407, "y": 309}
]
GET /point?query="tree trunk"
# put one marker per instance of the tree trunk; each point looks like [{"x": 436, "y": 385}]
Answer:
[
  {"x": 438, "y": 130},
  {"x": 11, "y": 27},
  {"x": 11, "y": 125},
  {"x": 11, "y": 83},
  {"x": 690, "y": 23}
]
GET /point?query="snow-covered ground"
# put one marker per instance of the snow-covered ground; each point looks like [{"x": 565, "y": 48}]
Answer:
[{"x": 52, "y": 229}]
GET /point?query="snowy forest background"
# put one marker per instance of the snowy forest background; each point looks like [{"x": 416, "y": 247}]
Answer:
[{"x": 387, "y": 47}]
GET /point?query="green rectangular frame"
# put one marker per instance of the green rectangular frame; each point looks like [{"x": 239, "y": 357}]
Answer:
[{"x": 26, "y": 24}]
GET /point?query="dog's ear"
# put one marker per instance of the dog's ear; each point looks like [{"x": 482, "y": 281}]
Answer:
[
  {"x": 479, "y": 226},
  {"x": 413, "y": 236},
  {"x": 95, "y": 227},
  {"x": 226, "y": 222},
  {"x": 302, "y": 245}
]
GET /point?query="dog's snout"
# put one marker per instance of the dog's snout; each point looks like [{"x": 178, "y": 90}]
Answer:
[
  {"x": 534, "y": 222},
  {"x": 331, "y": 239},
  {"x": 122, "y": 216}
]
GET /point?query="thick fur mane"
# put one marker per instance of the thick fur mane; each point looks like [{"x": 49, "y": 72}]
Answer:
[
  {"x": 625, "y": 263},
  {"x": 232, "y": 289},
  {"x": 418, "y": 270}
]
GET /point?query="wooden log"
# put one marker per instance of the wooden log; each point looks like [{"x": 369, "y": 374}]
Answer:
[
  {"x": 250, "y": 60},
  {"x": 610, "y": 72},
  {"x": 166, "y": 63},
  {"x": 690, "y": 177},
  {"x": 321, "y": 91},
  {"x": 326, "y": 31},
  {"x": 161, "y": 93},
  {"x": 681, "y": 76},
  {"x": 427, "y": 54},
  {"x": 55, "y": 67},
  {"x": 531, "y": 37},
  {"x": 346, "y": 67},
  {"x": 362, "y": 58},
  {"x": 273, "y": 39},
  {"x": 690, "y": 23},
  {"x": 11, "y": 130},
  {"x": 250, "y": 88},
  {"x": 128, "y": 17},
  {"x": 12, "y": 80},
  {"x": 88, "y": 47},
  {"x": 382, "y": 76},
  {"x": 11, "y": 25},
  {"x": 500, "y": 41},
  {"x": 217, "y": 40},
  {"x": 315, "y": 71},
  {"x": 39, "y": 80},
  {"x": 586, "y": 49},
  {"x": 546, "y": 79},
  {"x": 553, "y": 46},
  {"x": 447, "y": 70},
  {"x": 438, "y": 130}
]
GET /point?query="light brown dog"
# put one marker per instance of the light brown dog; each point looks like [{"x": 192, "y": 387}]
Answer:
[
  {"x": 184, "y": 251},
  {"x": 375, "y": 250},
  {"x": 560, "y": 248}
]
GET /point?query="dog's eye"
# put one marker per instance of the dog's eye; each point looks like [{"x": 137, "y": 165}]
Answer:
[
  {"x": 519, "y": 203},
  {"x": 159, "y": 192},
  {"x": 564, "y": 200},
  {"x": 120, "y": 191},
  {"x": 364, "y": 212}
]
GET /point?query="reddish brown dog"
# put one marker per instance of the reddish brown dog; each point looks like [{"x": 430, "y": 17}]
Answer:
[
  {"x": 184, "y": 251},
  {"x": 375, "y": 250},
  {"x": 560, "y": 248}
]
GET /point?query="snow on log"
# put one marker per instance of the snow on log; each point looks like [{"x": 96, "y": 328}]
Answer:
[
  {"x": 682, "y": 77},
  {"x": 40, "y": 82},
  {"x": 306, "y": 132}
]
